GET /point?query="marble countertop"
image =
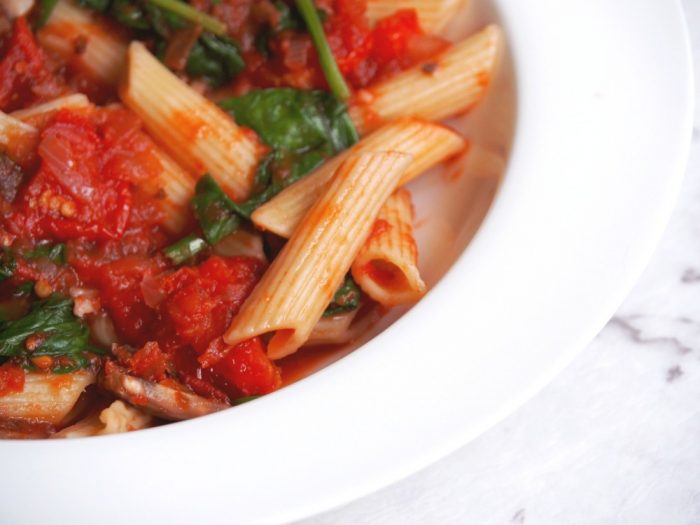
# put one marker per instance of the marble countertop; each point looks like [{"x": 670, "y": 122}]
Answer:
[{"x": 615, "y": 439}]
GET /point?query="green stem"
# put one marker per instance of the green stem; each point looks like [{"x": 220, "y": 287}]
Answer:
[
  {"x": 325, "y": 55},
  {"x": 185, "y": 249},
  {"x": 188, "y": 12}
]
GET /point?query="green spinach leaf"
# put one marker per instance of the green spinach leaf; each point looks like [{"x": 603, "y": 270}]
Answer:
[
  {"x": 55, "y": 253},
  {"x": 216, "y": 59},
  {"x": 216, "y": 213},
  {"x": 294, "y": 120},
  {"x": 7, "y": 264},
  {"x": 58, "y": 334},
  {"x": 346, "y": 299}
]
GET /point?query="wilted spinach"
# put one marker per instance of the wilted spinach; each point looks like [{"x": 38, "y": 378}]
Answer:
[
  {"x": 346, "y": 298},
  {"x": 59, "y": 334},
  {"x": 303, "y": 128},
  {"x": 215, "y": 58}
]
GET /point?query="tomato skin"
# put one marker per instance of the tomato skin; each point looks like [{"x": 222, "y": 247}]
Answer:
[
  {"x": 24, "y": 77},
  {"x": 11, "y": 379}
]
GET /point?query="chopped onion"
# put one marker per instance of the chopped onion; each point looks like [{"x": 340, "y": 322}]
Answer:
[
  {"x": 102, "y": 330},
  {"x": 241, "y": 243}
]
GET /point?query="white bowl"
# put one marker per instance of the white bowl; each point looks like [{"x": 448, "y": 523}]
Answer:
[{"x": 603, "y": 122}]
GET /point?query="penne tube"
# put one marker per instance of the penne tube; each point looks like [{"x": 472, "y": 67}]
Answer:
[
  {"x": 39, "y": 115},
  {"x": 450, "y": 84},
  {"x": 387, "y": 266},
  {"x": 294, "y": 292},
  {"x": 428, "y": 144},
  {"x": 434, "y": 15},
  {"x": 332, "y": 330},
  {"x": 46, "y": 398},
  {"x": 18, "y": 140},
  {"x": 84, "y": 42},
  {"x": 178, "y": 189},
  {"x": 114, "y": 419},
  {"x": 16, "y": 8},
  {"x": 195, "y": 131}
]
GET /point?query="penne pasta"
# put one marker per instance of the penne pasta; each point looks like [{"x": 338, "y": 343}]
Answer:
[
  {"x": 115, "y": 419},
  {"x": 39, "y": 115},
  {"x": 434, "y": 15},
  {"x": 178, "y": 188},
  {"x": 428, "y": 144},
  {"x": 450, "y": 84},
  {"x": 294, "y": 292},
  {"x": 387, "y": 266},
  {"x": 46, "y": 398},
  {"x": 84, "y": 42},
  {"x": 199, "y": 135}
]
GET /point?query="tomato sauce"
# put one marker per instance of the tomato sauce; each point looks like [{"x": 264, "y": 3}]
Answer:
[{"x": 90, "y": 179}]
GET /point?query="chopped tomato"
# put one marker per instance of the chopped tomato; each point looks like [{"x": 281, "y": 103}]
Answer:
[
  {"x": 247, "y": 367},
  {"x": 363, "y": 54},
  {"x": 199, "y": 303},
  {"x": 11, "y": 379},
  {"x": 24, "y": 76},
  {"x": 94, "y": 171},
  {"x": 121, "y": 294},
  {"x": 148, "y": 362}
]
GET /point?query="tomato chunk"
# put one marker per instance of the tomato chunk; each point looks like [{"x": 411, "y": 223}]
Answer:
[
  {"x": 247, "y": 367},
  {"x": 24, "y": 77}
]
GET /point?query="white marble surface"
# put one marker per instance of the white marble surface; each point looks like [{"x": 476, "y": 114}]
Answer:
[{"x": 615, "y": 439}]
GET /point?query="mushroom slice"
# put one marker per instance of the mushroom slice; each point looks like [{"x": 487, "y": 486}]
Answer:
[{"x": 160, "y": 400}]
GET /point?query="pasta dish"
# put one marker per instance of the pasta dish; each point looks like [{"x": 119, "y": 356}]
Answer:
[{"x": 194, "y": 191}]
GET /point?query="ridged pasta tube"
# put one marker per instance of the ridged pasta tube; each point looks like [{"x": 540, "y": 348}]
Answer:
[
  {"x": 193, "y": 130},
  {"x": 427, "y": 143},
  {"x": 84, "y": 42},
  {"x": 294, "y": 292},
  {"x": 387, "y": 266},
  {"x": 447, "y": 85}
]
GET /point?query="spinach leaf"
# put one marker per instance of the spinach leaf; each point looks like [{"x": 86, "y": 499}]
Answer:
[
  {"x": 7, "y": 264},
  {"x": 292, "y": 119},
  {"x": 216, "y": 213},
  {"x": 46, "y": 7},
  {"x": 303, "y": 128},
  {"x": 96, "y": 5},
  {"x": 185, "y": 249},
  {"x": 216, "y": 59},
  {"x": 56, "y": 253},
  {"x": 58, "y": 334},
  {"x": 346, "y": 299}
]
